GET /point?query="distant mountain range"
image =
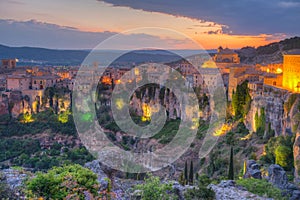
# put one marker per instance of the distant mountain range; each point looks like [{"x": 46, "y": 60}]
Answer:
[
  {"x": 41, "y": 56},
  {"x": 271, "y": 53},
  {"x": 49, "y": 57}
]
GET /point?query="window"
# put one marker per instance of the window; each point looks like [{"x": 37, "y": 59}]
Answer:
[{"x": 34, "y": 82}]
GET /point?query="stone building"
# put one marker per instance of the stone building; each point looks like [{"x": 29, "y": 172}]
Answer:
[
  {"x": 42, "y": 82},
  {"x": 239, "y": 74},
  {"x": 226, "y": 56},
  {"x": 18, "y": 82},
  {"x": 9, "y": 63},
  {"x": 291, "y": 71}
]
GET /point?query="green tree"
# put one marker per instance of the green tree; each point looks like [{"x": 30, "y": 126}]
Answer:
[
  {"x": 283, "y": 156},
  {"x": 260, "y": 122},
  {"x": 191, "y": 175},
  {"x": 70, "y": 181},
  {"x": 154, "y": 189},
  {"x": 241, "y": 100},
  {"x": 231, "y": 167},
  {"x": 270, "y": 148}
]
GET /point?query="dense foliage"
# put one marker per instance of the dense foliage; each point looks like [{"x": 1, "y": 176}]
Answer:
[
  {"x": 40, "y": 122},
  {"x": 260, "y": 187},
  {"x": 202, "y": 192},
  {"x": 154, "y": 189},
  {"x": 260, "y": 122},
  {"x": 279, "y": 150},
  {"x": 71, "y": 182},
  {"x": 28, "y": 153},
  {"x": 241, "y": 100}
]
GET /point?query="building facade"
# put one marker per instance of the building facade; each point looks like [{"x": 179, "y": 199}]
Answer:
[{"x": 291, "y": 71}]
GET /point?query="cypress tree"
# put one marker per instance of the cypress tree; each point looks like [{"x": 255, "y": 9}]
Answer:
[
  {"x": 191, "y": 176},
  {"x": 185, "y": 173},
  {"x": 230, "y": 171}
]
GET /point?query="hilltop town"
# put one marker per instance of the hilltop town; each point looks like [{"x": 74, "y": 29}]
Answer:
[{"x": 261, "y": 121}]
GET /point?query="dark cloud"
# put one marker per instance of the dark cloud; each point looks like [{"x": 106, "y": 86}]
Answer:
[
  {"x": 242, "y": 16},
  {"x": 213, "y": 32},
  {"x": 41, "y": 34}
]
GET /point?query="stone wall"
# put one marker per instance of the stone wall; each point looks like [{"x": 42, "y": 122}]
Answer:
[{"x": 273, "y": 104}]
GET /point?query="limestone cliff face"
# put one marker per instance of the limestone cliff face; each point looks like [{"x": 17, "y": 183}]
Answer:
[
  {"x": 284, "y": 118},
  {"x": 16, "y": 103},
  {"x": 297, "y": 157},
  {"x": 169, "y": 100},
  {"x": 273, "y": 104}
]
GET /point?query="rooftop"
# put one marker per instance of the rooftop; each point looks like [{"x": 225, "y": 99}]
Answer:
[{"x": 292, "y": 52}]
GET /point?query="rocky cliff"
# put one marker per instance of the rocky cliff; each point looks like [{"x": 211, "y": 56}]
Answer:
[
  {"x": 273, "y": 105},
  {"x": 17, "y": 102},
  {"x": 282, "y": 112},
  {"x": 297, "y": 157}
]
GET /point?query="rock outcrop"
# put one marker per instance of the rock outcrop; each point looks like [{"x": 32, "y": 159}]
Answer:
[
  {"x": 228, "y": 190},
  {"x": 297, "y": 158},
  {"x": 96, "y": 168},
  {"x": 274, "y": 111},
  {"x": 252, "y": 170},
  {"x": 277, "y": 176}
]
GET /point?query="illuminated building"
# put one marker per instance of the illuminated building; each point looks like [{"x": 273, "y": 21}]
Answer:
[{"x": 291, "y": 71}]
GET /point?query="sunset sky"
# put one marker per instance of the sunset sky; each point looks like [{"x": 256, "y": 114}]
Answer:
[{"x": 83, "y": 24}]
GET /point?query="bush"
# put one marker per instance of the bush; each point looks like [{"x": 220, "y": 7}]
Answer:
[
  {"x": 260, "y": 187},
  {"x": 154, "y": 189},
  {"x": 63, "y": 182},
  {"x": 202, "y": 192},
  {"x": 278, "y": 147},
  {"x": 283, "y": 155}
]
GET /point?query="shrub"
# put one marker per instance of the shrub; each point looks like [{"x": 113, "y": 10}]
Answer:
[
  {"x": 71, "y": 181},
  {"x": 278, "y": 147},
  {"x": 154, "y": 189},
  {"x": 282, "y": 155},
  {"x": 260, "y": 187},
  {"x": 202, "y": 192}
]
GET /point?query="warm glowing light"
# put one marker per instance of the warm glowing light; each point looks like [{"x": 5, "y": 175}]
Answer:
[
  {"x": 119, "y": 104},
  {"x": 268, "y": 70},
  {"x": 106, "y": 80},
  {"x": 64, "y": 117},
  {"x": 247, "y": 137},
  {"x": 195, "y": 123},
  {"x": 146, "y": 112},
  {"x": 278, "y": 70},
  {"x": 118, "y": 81},
  {"x": 209, "y": 64},
  {"x": 27, "y": 118},
  {"x": 291, "y": 66},
  {"x": 223, "y": 130},
  {"x": 136, "y": 72}
]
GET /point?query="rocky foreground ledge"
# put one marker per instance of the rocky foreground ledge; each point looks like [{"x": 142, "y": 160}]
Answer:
[
  {"x": 124, "y": 188},
  {"x": 229, "y": 190}
]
